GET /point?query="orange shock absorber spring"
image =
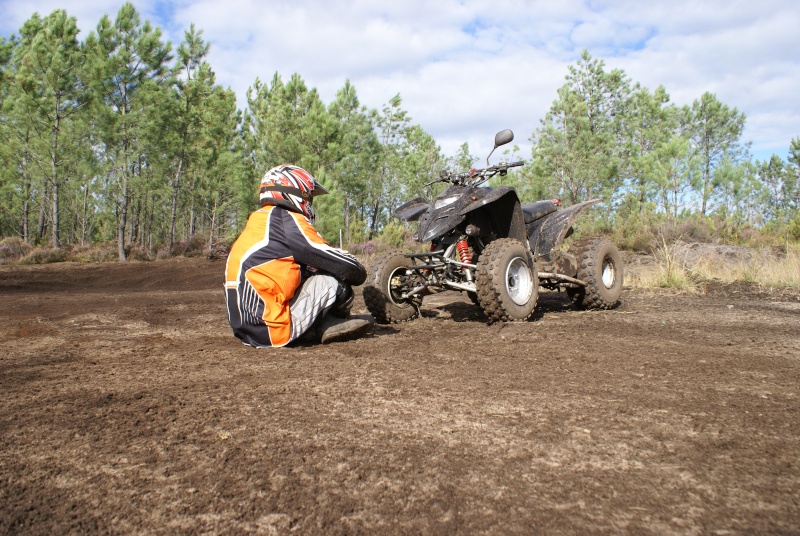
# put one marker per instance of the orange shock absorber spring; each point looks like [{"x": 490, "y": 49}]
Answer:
[{"x": 463, "y": 252}]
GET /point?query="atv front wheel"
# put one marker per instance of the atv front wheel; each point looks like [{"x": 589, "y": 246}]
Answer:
[
  {"x": 600, "y": 267},
  {"x": 507, "y": 282},
  {"x": 382, "y": 291}
]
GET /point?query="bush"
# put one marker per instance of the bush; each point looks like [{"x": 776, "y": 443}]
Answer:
[
  {"x": 793, "y": 228},
  {"x": 196, "y": 246},
  {"x": 691, "y": 230},
  {"x": 137, "y": 252},
  {"x": 44, "y": 256},
  {"x": 369, "y": 247},
  {"x": 13, "y": 248},
  {"x": 100, "y": 252},
  {"x": 219, "y": 250},
  {"x": 395, "y": 234},
  {"x": 633, "y": 236}
]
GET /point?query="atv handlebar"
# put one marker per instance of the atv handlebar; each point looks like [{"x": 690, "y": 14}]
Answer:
[{"x": 474, "y": 177}]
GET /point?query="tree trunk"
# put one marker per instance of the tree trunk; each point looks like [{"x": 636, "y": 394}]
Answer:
[
  {"x": 347, "y": 219},
  {"x": 54, "y": 174},
  {"x": 150, "y": 245},
  {"x": 174, "y": 210},
  {"x": 706, "y": 189},
  {"x": 137, "y": 214},
  {"x": 85, "y": 216},
  {"x": 374, "y": 224},
  {"x": 26, "y": 205},
  {"x": 56, "y": 240},
  {"x": 42, "y": 209},
  {"x": 213, "y": 221},
  {"x": 123, "y": 218},
  {"x": 192, "y": 223}
]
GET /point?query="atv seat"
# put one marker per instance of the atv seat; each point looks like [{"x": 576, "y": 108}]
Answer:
[{"x": 539, "y": 209}]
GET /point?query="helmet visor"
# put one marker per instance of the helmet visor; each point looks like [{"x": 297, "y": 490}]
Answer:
[{"x": 318, "y": 189}]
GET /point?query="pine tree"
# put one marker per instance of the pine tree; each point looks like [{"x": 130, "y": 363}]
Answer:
[
  {"x": 125, "y": 57},
  {"x": 392, "y": 125},
  {"x": 715, "y": 132},
  {"x": 46, "y": 96},
  {"x": 579, "y": 138},
  {"x": 194, "y": 83},
  {"x": 353, "y": 155}
]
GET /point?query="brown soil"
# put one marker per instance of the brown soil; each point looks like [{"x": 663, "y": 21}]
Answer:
[{"x": 126, "y": 406}]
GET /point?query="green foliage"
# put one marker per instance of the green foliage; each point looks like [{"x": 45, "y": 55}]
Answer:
[
  {"x": 118, "y": 140},
  {"x": 395, "y": 234},
  {"x": 13, "y": 248},
  {"x": 577, "y": 143},
  {"x": 793, "y": 228},
  {"x": 715, "y": 130},
  {"x": 45, "y": 96},
  {"x": 44, "y": 256},
  {"x": 605, "y": 137},
  {"x": 353, "y": 157}
]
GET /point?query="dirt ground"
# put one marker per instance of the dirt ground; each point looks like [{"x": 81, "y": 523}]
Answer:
[{"x": 126, "y": 406}]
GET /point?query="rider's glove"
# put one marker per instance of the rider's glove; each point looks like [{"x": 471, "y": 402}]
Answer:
[
  {"x": 307, "y": 271},
  {"x": 344, "y": 300}
]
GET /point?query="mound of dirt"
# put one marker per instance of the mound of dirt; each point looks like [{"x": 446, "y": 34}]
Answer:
[{"x": 692, "y": 253}]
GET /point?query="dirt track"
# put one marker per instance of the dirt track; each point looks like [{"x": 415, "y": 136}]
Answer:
[{"x": 126, "y": 406}]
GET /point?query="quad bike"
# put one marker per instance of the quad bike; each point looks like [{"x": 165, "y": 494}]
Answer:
[{"x": 485, "y": 243}]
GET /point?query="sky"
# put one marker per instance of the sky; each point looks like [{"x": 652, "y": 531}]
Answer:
[{"x": 466, "y": 69}]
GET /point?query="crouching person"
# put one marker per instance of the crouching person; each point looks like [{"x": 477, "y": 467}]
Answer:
[{"x": 283, "y": 282}]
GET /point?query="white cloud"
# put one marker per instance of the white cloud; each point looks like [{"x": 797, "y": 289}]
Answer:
[{"x": 468, "y": 68}]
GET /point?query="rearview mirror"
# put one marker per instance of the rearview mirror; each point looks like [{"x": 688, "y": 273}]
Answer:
[{"x": 503, "y": 137}]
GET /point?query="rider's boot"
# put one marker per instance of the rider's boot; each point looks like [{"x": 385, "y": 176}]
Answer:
[
  {"x": 335, "y": 329},
  {"x": 332, "y": 328}
]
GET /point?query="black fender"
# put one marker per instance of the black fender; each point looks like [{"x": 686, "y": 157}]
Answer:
[
  {"x": 547, "y": 233},
  {"x": 412, "y": 210},
  {"x": 501, "y": 207},
  {"x": 483, "y": 196}
]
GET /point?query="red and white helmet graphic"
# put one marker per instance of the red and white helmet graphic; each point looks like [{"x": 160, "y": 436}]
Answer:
[{"x": 292, "y": 188}]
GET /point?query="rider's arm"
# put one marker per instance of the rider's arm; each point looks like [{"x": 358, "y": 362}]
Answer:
[{"x": 309, "y": 248}]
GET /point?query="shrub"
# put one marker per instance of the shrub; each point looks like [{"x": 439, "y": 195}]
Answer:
[
  {"x": 673, "y": 272},
  {"x": 99, "y": 252},
  {"x": 369, "y": 247},
  {"x": 13, "y": 248},
  {"x": 44, "y": 256},
  {"x": 793, "y": 228},
  {"x": 395, "y": 234},
  {"x": 137, "y": 252},
  {"x": 196, "y": 246},
  {"x": 219, "y": 250}
]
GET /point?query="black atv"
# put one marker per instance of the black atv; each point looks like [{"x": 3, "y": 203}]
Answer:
[{"x": 498, "y": 251}]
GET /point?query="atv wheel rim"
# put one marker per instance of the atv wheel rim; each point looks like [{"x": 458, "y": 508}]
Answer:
[
  {"x": 519, "y": 282},
  {"x": 609, "y": 275},
  {"x": 394, "y": 289}
]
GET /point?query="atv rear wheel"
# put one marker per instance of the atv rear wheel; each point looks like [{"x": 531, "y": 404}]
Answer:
[
  {"x": 600, "y": 267},
  {"x": 382, "y": 291},
  {"x": 507, "y": 282}
]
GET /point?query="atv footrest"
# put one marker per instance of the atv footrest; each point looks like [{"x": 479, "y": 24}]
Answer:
[
  {"x": 423, "y": 255},
  {"x": 426, "y": 266}
]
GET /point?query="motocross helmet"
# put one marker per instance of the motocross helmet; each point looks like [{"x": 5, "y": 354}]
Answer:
[{"x": 292, "y": 188}]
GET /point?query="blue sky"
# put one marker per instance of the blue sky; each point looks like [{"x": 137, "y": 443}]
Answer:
[{"x": 466, "y": 69}]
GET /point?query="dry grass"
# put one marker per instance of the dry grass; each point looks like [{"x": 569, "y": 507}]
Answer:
[
  {"x": 675, "y": 268},
  {"x": 784, "y": 272},
  {"x": 668, "y": 271}
]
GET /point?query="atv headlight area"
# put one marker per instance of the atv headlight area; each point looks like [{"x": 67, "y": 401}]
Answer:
[{"x": 443, "y": 202}]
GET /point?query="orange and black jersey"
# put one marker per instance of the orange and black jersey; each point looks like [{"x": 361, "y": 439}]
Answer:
[{"x": 264, "y": 270}]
